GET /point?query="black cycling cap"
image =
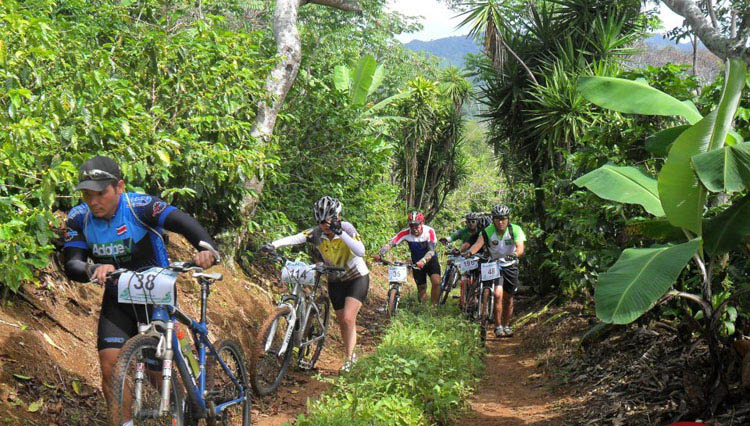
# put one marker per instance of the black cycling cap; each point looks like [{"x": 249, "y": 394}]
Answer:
[{"x": 97, "y": 173}]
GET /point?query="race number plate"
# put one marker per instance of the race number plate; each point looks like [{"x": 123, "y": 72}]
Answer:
[
  {"x": 154, "y": 286},
  {"x": 490, "y": 271},
  {"x": 298, "y": 272},
  {"x": 397, "y": 274},
  {"x": 467, "y": 265}
]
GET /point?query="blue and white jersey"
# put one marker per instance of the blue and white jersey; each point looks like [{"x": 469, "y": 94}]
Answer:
[{"x": 124, "y": 240}]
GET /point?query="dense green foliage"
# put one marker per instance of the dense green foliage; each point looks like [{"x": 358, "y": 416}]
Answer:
[
  {"x": 420, "y": 373},
  {"x": 167, "y": 92}
]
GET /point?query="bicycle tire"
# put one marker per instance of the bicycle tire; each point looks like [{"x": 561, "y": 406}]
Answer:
[
  {"x": 220, "y": 387},
  {"x": 309, "y": 354},
  {"x": 446, "y": 286},
  {"x": 138, "y": 349},
  {"x": 484, "y": 313},
  {"x": 267, "y": 368},
  {"x": 392, "y": 302}
]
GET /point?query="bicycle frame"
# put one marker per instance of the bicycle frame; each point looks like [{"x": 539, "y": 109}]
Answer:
[
  {"x": 301, "y": 305},
  {"x": 167, "y": 315}
]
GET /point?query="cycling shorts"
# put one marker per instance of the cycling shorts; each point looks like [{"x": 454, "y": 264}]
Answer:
[
  {"x": 509, "y": 279},
  {"x": 356, "y": 288},
  {"x": 118, "y": 322},
  {"x": 420, "y": 275}
]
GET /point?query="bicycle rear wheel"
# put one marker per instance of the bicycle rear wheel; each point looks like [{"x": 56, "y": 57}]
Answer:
[
  {"x": 268, "y": 365},
  {"x": 221, "y": 389},
  {"x": 392, "y": 302},
  {"x": 484, "y": 313},
  {"x": 446, "y": 285},
  {"x": 316, "y": 328},
  {"x": 136, "y": 386}
]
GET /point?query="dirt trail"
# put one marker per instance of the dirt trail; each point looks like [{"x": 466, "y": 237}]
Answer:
[{"x": 514, "y": 391}]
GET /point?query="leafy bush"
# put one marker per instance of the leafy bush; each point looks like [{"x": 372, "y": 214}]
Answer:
[
  {"x": 420, "y": 374},
  {"x": 169, "y": 94}
]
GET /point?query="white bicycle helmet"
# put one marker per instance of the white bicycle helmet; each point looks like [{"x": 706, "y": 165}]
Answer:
[
  {"x": 326, "y": 208},
  {"x": 501, "y": 210}
]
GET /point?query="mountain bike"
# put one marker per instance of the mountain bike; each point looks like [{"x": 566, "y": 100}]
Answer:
[
  {"x": 299, "y": 321},
  {"x": 451, "y": 277},
  {"x": 469, "y": 269},
  {"x": 144, "y": 388},
  {"x": 490, "y": 272},
  {"x": 396, "y": 278}
]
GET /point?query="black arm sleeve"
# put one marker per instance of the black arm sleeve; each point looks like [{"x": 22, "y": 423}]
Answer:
[
  {"x": 76, "y": 267},
  {"x": 184, "y": 224}
]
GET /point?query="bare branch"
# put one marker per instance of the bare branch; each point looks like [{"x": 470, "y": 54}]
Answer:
[
  {"x": 711, "y": 38},
  {"x": 712, "y": 14},
  {"x": 346, "y": 5}
]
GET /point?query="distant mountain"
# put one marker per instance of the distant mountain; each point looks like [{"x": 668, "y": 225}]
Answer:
[{"x": 449, "y": 49}]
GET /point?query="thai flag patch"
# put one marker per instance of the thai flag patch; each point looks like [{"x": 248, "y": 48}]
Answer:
[{"x": 122, "y": 229}]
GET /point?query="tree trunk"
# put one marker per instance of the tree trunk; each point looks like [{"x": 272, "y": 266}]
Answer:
[
  {"x": 277, "y": 85},
  {"x": 720, "y": 46}
]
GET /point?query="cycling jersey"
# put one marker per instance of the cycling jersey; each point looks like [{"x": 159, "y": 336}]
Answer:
[
  {"x": 420, "y": 246},
  {"x": 131, "y": 239},
  {"x": 344, "y": 251},
  {"x": 465, "y": 235},
  {"x": 500, "y": 247}
]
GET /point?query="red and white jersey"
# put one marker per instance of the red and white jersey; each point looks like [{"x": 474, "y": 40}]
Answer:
[{"x": 419, "y": 245}]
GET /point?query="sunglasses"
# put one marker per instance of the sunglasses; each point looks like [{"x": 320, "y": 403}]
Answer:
[
  {"x": 499, "y": 217},
  {"x": 96, "y": 174},
  {"x": 472, "y": 221},
  {"x": 414, "y": 225}
]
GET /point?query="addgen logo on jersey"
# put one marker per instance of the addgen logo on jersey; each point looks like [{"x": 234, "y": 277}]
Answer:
[{"x": 116, "y": 248}]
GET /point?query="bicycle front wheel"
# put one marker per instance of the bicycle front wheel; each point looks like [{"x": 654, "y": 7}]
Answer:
[
  {"x": 392, "y": 306},
  {"x": 136, "y": 386},
  {"x": 314, "y": 336},
  {"x": 222, "y": 389},
  {"x": 269, "y": 364},
  {"x": 484, "y": 313}
]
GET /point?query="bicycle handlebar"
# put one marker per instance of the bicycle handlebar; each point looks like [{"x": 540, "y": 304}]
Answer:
[
  {"x": 397, "y": 263},
  {"x": 322, "y": 268}
]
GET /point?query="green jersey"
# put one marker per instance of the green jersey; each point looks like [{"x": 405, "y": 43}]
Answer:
[
  {"x": 501, "y": 246},
  {"x": 464, "y": 234}
]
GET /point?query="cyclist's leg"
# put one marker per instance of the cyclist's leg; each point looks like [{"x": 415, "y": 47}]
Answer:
[
  {"x": 499, "y": 294},
  {"x": 433, "y": 269},
  {"x": 115, "y": 327},
  {"x": 510, "y": 287},
  {"x": 349, "y": 297},
  {"x": 462, "y": 293},
  {"x": 420, "y": 278}
]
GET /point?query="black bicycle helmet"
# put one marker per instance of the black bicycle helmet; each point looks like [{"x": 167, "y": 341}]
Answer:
[
  {"x": 326, "y": 208},
  {"x": 471, "y": 216},
  {"x": 484, "y": 221}
]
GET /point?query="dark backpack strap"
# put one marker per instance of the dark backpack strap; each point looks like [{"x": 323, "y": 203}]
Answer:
[{"x": 510, "y": 231}]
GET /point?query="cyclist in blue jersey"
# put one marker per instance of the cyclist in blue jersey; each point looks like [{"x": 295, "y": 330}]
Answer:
[
  {"x": 422, "y": 241},
  {"x": 116, "y": 229}
]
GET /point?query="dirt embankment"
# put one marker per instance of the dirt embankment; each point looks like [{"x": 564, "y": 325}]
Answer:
[{"x": 49, "y": 370}]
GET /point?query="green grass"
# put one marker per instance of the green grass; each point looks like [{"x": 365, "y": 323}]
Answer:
[{"x": 420, "y": 374}]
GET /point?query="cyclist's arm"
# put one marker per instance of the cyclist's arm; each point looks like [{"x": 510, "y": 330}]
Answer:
[
  {"x": 76, "y": 267},
  {"x": 520, "y": 248},
  {"x": 291, "y": 240},
  {"x": 352, "y": 240},
  {"x": 478, "y": 245},
  {"x": 465, "y": 246},
  {"x": 393, "y": 242},
  {"x": 431, "y": 243},
  {"x": 185, "y": 225}
]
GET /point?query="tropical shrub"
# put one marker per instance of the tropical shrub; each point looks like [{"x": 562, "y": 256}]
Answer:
[{"x": 704, "y": 157}]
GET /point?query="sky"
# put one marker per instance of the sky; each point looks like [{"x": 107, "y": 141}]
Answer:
[{"x": 439, "y": 21}]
